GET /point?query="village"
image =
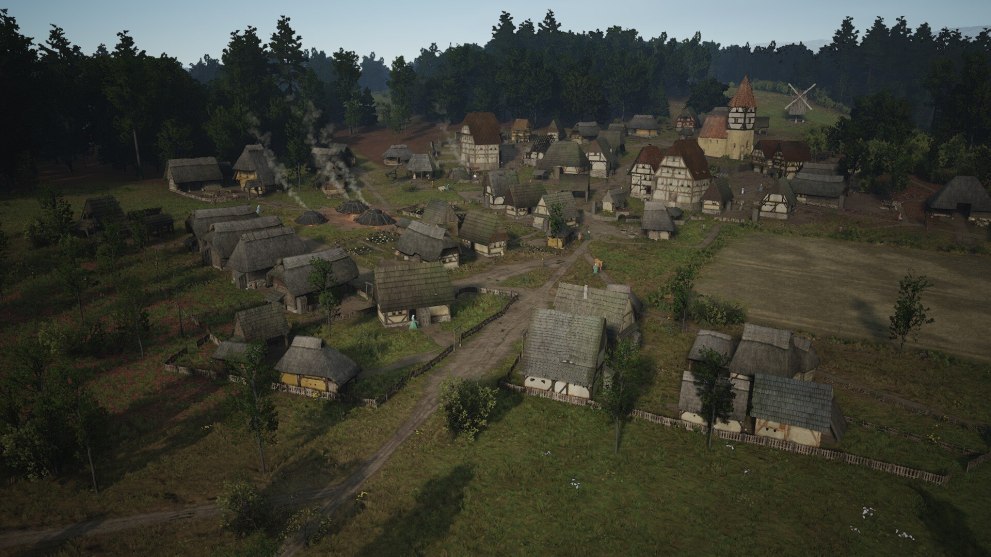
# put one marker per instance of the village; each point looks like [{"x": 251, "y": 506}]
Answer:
[{"x": 413, "y": 339}]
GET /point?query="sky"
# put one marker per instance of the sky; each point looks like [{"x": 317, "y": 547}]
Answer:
[{"x": 187, "y": 29}]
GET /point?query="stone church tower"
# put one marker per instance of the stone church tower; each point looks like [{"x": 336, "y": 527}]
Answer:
[{"x": 741, "y": 121}]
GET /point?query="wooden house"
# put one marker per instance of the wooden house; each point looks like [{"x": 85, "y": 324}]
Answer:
[
  {"x": 291, "y": 278},
  {"x": 440, "y": 213},
  {"x": 823, "y": 190},
  {"x": 683, "y": 176},
  {"x": 193, "y": 174},
  {"x": 644, "y": 125},
  {"x": 253, "y": 170},
  {"x": 774, "y": 352},
  {"x": 798, "y": 411},
  {"x": 100, "y": 212},
  {"x": 601, "y": 157},
  {"x": 495, "y": 186},
  {"x": 199, "y": 221},
  {"x": 563, "y": 353},
  {"x": 521, "y": 199},
  {"x": 332, "y": 155},
  {"x": 717, "y": 197},
  {"x": 428, "y": 242},
  {"x": 563, "y": 199},
  {"x": 478, "y": 141},
  {"x": 963, "y": 195},
  {"x": 309, "y": 364},
  {"x": 687, "y": 119},
  {"x": 258, "y": 251},
  {"x": 690, "y": 405},
  {"x": 779, "y": 158},
  {"x": 422, "y": 166},
  {"x": 615, "y": 200},
  {"x": 218, "y": 244},
  {"x": 643, "y": 171},
  {"x": 265, "y": 324},
  {"x": 778, "y": 202},
  {"x": 536, "y": 150},
  {"x": 409, "y": 290},
  {"x": 656, "y": 222},
  {"x": 613, "y": 306},
  {"x": 583, "y": 132},
  {"x": 521, "y": 131},
  {"x": 482, "y": 233},
  {"x": 552, "y": 131},
  {"x": 720, "y": 343},
  {"x": 396, "y": 155},
  {"x": 564, "y": 157}
]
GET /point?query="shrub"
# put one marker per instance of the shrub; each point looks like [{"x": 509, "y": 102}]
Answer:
[
  {"x": 467, "y": 405},
  {"x": 243, "y": 509},
  {"x": 713, "y": 311}
]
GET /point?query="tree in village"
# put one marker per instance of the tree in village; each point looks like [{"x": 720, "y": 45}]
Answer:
[
  {"x": 681, "y": 289},
  {"x": 131, "y": 318},
  {"x": 467, "y": 405},
  {"x": 910, "y": 314},
  {"x": 286, "y": 48},
  {"x": 243, "y": 509},
  {"x": 322, "y": 280},
  {"x": 251, "y": 399},
  {"x": 110, "y": 249},
  {"x": 624, "y": 384},
  {"x": 556, "y": 225},
  {"x": 348, "y": 73},
  {"x": 54, "y": 222},
  {"x": 706, "y": 95},
  {"x": 714, "y": 389},
  {"x": 401, "y": 81}
]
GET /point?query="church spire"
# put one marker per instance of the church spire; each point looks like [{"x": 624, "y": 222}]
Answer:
[{"x": 744, "y": 97}]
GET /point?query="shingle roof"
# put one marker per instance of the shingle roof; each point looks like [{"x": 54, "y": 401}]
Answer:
[
  {"x": 689, "y": 401},
  {"x": 230, "y": 351},
  {"x": 224, "y": 236},
  {"x": 693, "y": 155},
  {"x": 482, "y": 228},
  {"x": 714, "y": 126},
  {"x": 643, "y": 122},
  {"x": 565, "y": 199},
  {"x": 721, "y": 343},
  {"x": 827, "y": 168},
  {"x": 524, "y": 196},
  {"x": 782, "y": 187},
  {"x": 498, "y": 181},
  {"x": 421, "y": 162},
  {"x": 602, "y": 145},
  {"x": 294, "y": 272},
  {"x": 616, "y": 196},
  {"x": 429, "y": 241},
  {"x": 793, "y": 402},
  {"x": 961, "y": 190},
  {"x": 650, "y": 154},
  {"x": 562, "y": 347},
  {"x": 772, "y": 352},
  {"x": 253, "y": 159},
  {"x": 563, "y": 153},
  {"x": 625, "y": 289},
  {"x": 718, "y": 190},
  {"x": 580, "y": 300},
  {"x": 202, "y": 169},
  {"x": 587, "y": 130},
  {"x": 483, "y": 127},
  {"x": 439, "y": 212},
  {"x": 399, "y": 152},
  {"x": 199, "y": 221},
  {"x": 656, "y": 217},
  {"x": 374, "y": 217},
  {"x": 818, "y": 185},
  {"x": 261, "y": 323},
  {"x": 308, "y": 356},
  {"x": 744, "y": 97},
  {"x": 406, "y": 284},
  {"x": 261, "y": 249}
]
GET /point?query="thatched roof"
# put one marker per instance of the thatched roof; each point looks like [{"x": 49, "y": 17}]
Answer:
[
  {"x": 650, "y": 155},
  {"x": 563, "y": 198},
  {"x": 497, "y": 182},
  {"x": 224, "y": 236},
  {"x": 230, "y": 351},
  {"x": 399, "y": 152},
  {"x": 643, "y": 122},
  {"x": 563, "y": 153},
  {"x": 714, "y": 126},
  {"x": 482, "y": 228},
  {"x": 308, "y": 356},
  {"x": 104, "y": 210},
  {"x": 563, "y": 347},
  {"x": 294, "y": 272},
  {"x": 199, "y": 221},
  {"x": 406, "y": 285},
  {"x": 261, "y": 249},
  {"x": 538, "y": 144},
  {"x": 333, "y": 152},
  {"x": 184, "y": 171},
  {"x": 689, "y": 151},
  {"x": 818, "y": 185},
  {"x": 421, "y": 162},
  {"x": 587, "y": 130},
  {"x": 625, "y": 289},
  {"x": 352, "y": 207},
  {"x": 483, "y": 127},
  {"x": 374, "y": 217},
  {"x": 311, "y": 217},
  {"x": 656, "y": 218},
  {"x": 721, "y": 343},
  {"x": 616, "y": 138},
  {"x": 961, "y": 190},
  {"x": 616, "y": 196},
  {"x": 581, "y": 300},
  {"x": 429, "y": 241},
  {"x": 261, "y": 323},
  {"x": 524, "y": 196},
  {"x": 797, "y": 403},
  {"x": 744, "y": 96},
  {"x": 439, "y": 212},
  {"x": 718, "y": 190},
  {"x": 689, "y": 401},
  {"x": 253, "y": 159},
  {"x": 772, "y": 352}
]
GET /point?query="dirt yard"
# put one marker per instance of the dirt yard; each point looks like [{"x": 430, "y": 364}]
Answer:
[
  {"x": 371, "y": 143},
  {"x": 848, "y": 289}
]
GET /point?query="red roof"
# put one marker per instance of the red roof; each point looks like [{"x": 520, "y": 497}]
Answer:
[
  {"x": 714, "y": 127},
  {"x": 652, "y": 155},
  {"x": 744, "y": 97},
  {"x": 694, "y": 157},
  {"x": 791, "y": 151},
  {"x": 483, "y": 127}
]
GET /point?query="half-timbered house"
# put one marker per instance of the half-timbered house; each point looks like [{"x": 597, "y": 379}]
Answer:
[
  {"x": 478, "y": 140},
  {"x": 798, "y": 411},
  {"x": 495, "y": 186},
  {"x": 563, "y": 353},
  {"x": 644, "y": 125},
  {"x": 427, "y": 242},
  {"x": 643, "y": 171},
  {"x": 308, "y": 364},
  {"x": 253, "y": 170},
  {"x": 482, "y": 233},
  {"x": 683, "y": 176},
  {"x": 521, "y": 131}
]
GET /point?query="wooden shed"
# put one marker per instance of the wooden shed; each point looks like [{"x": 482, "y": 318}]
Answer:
[
  {"x": 218, "y": 244},
  {"x": 258, "y": 251},
  {"x": 309, "y": 364},
  {"x": 717, "y": 197},
  {"x": 495, "y": 186},
  {"x": 643, "y": 171},
  {"x": 265, "y": 323},
  {"x": 405, "y": 290},
  {"x": 644, "y": 125},
  {"x": 613, "y": 306},
  {"x": 396, "y": 155},
  {"x": 192, "y": 174},
  {"x": 798, "y": 411},
  {"x": 291, "y": 277},
  {"x": 564, "y": 199},
  {"x": 963, "y": 195},
  {"x": 615, "y": 200},
  {"x": 773, "y": 351},
  {"x": 422, "y": 166},
  {"x": 564, "y": 157},
  {"x": 199, "y": 221},
  {"x": 521, "y": 130},
  {"x": 428, "y": 242},
  {"x": 563, "y": 353},
  {"x": 656, "y": 222},
  {"x": 478, "y": 139},
  {"x": 521, "y": 199},
  {"x": 253, "y": 170},
  {"x": 482, "y": 232}
]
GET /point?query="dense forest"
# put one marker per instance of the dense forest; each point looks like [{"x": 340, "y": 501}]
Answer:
[{"x": 128, "y": 106}]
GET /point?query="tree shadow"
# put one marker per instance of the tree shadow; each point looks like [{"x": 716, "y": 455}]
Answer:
[
  {"x": 869, "y": 319},
  {"x": 505, "y": 401},
  {"x": 948, "y": 526},
  {"x": 437, "y": 505}
]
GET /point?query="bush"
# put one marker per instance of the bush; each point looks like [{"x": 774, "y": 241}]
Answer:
[
  {"x": 467, "y": 405},
  {"x": 243, "y": 509},
  {"x": 713, "y": 311}
]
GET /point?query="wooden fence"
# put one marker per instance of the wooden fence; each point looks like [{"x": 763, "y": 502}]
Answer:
[
  {"x": 910, "y": 436},
  {"x": 975, "y": 462}
]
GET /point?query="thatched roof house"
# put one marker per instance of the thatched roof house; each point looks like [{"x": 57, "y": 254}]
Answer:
[
  {"x": 442, "y": 214},
  {"x": 720, "y": 343},
  {"x": 374, "y": 217},
  {"x": 261, "y": 324},
  {"x": 422, "y": 165},
  {"x": 564, "y": 157},
  {"x": 482, "y": 232},
  {"x": 253, "y": 170},
  {"x": 774, "y": 352},
  {"x": 656, "y": 221},
  {"x": 495, "y": 185},
  {"x": 396, "y": 155},
  {"x": 563, "y": 352},
  {"x": 352, "y": 207},
  {"x": 690, "y": 404},
  {"x": 199, "y": 221},
  {"x": 218, "y": 244},
  {"x": 963, "y": 194},
  {"x": 644, "y": 125},
  {"x": 291, "y": 276},
  {"x": 585, "y": 131},
  {"x": 798, "y": 411},
  {"x": 311, "y": 365},
  {"x": 428, "y": 242},
  {"x": 190, "y": 174},
  {"x": 258, "y": 251},
  {"x": 522, "y": 198},
  {"x": 615, "y": 307},
  {"x": 407, "y": 287}
]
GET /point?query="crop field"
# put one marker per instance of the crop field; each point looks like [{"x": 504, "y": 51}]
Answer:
[{"x": 849, "y": 288}]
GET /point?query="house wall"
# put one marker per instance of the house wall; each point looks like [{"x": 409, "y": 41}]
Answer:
[
  {"x": 451, "y": 259},
  {"x": 830, "y": 202},
  {"x": 733, "y": 426},
  {"x": 641, "y": 181},
  {"x": 520, "y": 136},
  {"x": 713, "y": 146},
  {"x": 517, "y": 212},
  {"x": 393, "y": 318},
  {"x": 476, "y": 157},
  {"x": 645, "y": 133},
  {"x": 675, "y": 185},
  {"x": 739, "y": 143},
  {"x": 710, "y": 207},
  {"x": 785, "y": 432},
  {"x": 658, "y": 235},
  {"x": 774, "y": 206},
  {"x": 600, "y": 166},
  {"x": 494, "y": 249}
]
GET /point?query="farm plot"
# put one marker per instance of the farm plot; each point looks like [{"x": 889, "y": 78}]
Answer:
[{"x": 848, "y": 289}]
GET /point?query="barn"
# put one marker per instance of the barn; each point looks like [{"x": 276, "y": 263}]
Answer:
[
  {"x": 963, "y": 195},
  {"x": 613, "y": 306},
  {"x": 495, "y": 186},
  {"x": 774, "y": 352},
  {"x": 428, "y": 242},
  {"x": 683, "y": 176},
  {"x": 218, "y": 244},
  {"x": 798, "y": 411},
  {"x": 408, "y": 290},
  {"x": 309, "y": 364},
  {"x": 478, "y": 141},
  {"x": 265, "y": 324},
  {"x": 583, "y": 132},
  {"x": 643, "y": 171},
  {"x": 656, "y": 221},
  {"x": 523, "y": 198},
  {"x": 192, "y": 174},
  {"x": 563, "y": 353},
  {"x": 644, "y": 125},
  {"x": 253, "y": 170},
  {"x": 258, "y": 251},
  {"x": 717, "y": 197},
  {"x": 291, "y": 277},
  {"x": 564, "y": 157},
  {"x": 199, "y": 221},
  {"x": 482, "y": 232}
]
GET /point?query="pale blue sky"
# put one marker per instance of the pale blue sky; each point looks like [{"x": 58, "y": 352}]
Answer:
[{"x": 186, "y": 29}]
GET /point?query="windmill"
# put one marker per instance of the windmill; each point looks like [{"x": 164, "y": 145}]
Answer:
[{"x": 798, "y": 106}]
